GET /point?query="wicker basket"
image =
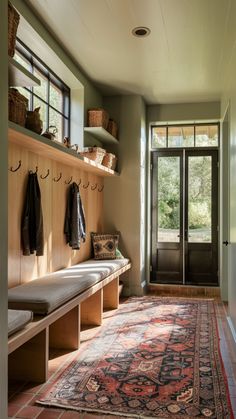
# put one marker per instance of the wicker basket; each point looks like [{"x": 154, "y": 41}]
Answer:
[
  {"x": 13, "y": 22},
  {"x": 94, "y": 153},
  {"x": 17, "y": 107},
  {"x": 109, "y": 161},
  {"x": 98, "y": 118},
  {"x": 112, "y": 128}
]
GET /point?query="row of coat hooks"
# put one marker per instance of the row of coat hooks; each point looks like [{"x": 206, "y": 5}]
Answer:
[{"x": 57, "y": 179}]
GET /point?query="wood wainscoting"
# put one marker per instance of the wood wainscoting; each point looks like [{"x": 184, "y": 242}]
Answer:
[{"x": 57, "y": 254}]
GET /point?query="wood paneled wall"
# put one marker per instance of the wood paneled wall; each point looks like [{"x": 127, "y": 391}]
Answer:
[{"x": 57, "y": 254}]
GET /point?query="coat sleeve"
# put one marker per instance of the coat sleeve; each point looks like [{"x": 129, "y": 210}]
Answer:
[
  {"x": 67, "y": 223},
  {"x": 82, "y": 222},
  {"x": 39, "y": 239},
  {"x": 25, "y": 238}
]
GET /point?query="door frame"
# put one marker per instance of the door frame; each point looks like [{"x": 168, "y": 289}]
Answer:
[{"x": 224, "y": 204}]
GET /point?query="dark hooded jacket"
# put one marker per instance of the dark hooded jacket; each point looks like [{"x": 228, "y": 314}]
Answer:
[
  {"x": 32, "y": 219},
  {"x": 74, "y": 228}
]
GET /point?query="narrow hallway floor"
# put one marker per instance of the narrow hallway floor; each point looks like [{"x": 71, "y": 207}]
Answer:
[{"x": 22, "y": 396}]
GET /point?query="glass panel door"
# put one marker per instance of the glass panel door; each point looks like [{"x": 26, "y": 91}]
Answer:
[
  {"x": 201, "y": 215},
  {"x": 184, "y": 217},
  {"x": 167, "y": 217}
]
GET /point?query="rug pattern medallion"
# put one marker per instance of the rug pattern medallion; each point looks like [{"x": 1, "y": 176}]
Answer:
[{"x": 157, "y": 357}]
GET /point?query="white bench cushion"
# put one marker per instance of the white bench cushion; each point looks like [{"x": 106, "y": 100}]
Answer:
[
  {"x": 17, "y": 319},
  {"x": 47, "y": 293}
]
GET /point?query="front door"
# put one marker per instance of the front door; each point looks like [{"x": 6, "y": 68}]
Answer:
[{"x": 184, "y": 217}]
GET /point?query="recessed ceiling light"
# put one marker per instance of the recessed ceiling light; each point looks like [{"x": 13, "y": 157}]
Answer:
[{"x": 141, "y": 31}]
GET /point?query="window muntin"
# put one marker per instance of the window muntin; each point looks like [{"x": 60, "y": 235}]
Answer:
[
  {"x": 53, "y": 95},
  {"x": 185, "y": 136}
]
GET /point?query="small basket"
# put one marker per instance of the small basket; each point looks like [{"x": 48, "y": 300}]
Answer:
[
  {"x": 112, "y": 128},
  {"x": 94, "y": 153},
  {"x": 109, "y": 161},
  {"x": 17, "y": 107},
  {"x": 13, "y": 22},
  {"x": 98, "y": 118}
]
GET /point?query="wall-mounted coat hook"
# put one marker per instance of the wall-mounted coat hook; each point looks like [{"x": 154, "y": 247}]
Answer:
[
  {"x": 47, "y": 174},
  {"x": 85, "y": 187},
  {"x": 57, "y": 179},
  {"x": 67, "y": 182},
  {"x": 17, "y": 168},
  {"x": 94, "y": 187},
  {"x": 36, "y": 170},
  {"x": 100, "y": 190}
]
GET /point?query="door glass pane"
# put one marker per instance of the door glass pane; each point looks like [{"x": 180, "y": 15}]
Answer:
[
  {"x": 207, "y": 135},
  {"x": 168, "y": 193},
  {"x": 159, "y": 137},
  {"x": 181, "y": 136},
  {"x": 199, "y": 199}
]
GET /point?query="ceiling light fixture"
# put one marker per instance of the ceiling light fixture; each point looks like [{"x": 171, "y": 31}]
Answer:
[{"x": 141, "y": 31}]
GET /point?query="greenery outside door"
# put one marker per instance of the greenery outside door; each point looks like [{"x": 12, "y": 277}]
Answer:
[{"x": 184, "y": 217}]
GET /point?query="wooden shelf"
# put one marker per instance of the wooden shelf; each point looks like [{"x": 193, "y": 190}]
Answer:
[
  {"x": 101, "y": 134},
  {"x": 19, "y": 76},
  {"x": 47, "y": 148}
]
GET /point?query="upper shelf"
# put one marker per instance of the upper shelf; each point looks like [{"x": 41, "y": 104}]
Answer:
[
  {"x": 102, "y": 135},
  {"x": 19, "y": 76},
  {"x": 52, "y": 150}
]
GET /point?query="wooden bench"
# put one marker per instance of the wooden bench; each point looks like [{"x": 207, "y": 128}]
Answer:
[{"x": 60, "y": 328}]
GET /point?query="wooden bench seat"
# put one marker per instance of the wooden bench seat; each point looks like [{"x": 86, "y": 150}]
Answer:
[{"x": 60, "y": 328}]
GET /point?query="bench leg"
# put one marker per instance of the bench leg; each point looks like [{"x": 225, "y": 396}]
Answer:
[
  {"x": 64, "y": 333},
  {"x": 91, "y": 309},
  {"x": 30, "y": 361},
  {"x": 111, "y": 294}
]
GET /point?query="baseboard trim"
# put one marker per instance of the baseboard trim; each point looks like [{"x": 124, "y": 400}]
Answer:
[
  {"x": 232, "y": 329},
  {"x": 184, "y": 290}
]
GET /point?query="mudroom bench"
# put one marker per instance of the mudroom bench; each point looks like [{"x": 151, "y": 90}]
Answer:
[{"x": 62, "y": 302}]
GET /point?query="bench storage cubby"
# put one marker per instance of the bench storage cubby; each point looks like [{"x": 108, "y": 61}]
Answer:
[{"x": 62, "y": 302}]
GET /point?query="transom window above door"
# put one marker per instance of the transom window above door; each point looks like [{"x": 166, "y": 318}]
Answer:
[{"x": 185, "y": 136}]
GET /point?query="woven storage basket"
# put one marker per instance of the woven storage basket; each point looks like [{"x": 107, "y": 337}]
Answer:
[
  {"x": 13, "y": 22},
  {"x": 98, "y": 118},
  {"x": 109, "y": 161},
  {"x": 94, "y": 153},
  {"x": 17, "y": 107},
  {"x": 112, "y": 128}
]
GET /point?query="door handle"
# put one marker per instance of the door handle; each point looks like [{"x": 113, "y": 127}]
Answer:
[{"x": 226, "y": 242}]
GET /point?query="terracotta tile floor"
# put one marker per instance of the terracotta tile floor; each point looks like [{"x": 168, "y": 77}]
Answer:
[{"x": 22, "y": 396}]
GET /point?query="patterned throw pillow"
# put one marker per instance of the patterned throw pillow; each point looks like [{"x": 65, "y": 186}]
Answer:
[{"x": 105, "y": 245}]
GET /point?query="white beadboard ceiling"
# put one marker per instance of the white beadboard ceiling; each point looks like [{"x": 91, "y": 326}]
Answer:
[{"x": 183, "y": 60}]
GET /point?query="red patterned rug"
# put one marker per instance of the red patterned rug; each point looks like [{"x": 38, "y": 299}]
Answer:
[{"x": 157, "y": 357}]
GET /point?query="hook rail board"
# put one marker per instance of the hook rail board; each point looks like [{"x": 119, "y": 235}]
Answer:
[{"x": 49, "y": 149}]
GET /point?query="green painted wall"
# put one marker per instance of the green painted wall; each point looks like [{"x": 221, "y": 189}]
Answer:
[
  {"x": 123, "y": 195},
  {"x": 3, "y": 206},
  {"x": 183, "y": 112},
  {"x": 229, "y": 99}
]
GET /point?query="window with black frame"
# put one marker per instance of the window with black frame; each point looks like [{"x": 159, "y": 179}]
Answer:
[
  {"x": 52, "y": 96},
  {"x": 185, "y": 135}
]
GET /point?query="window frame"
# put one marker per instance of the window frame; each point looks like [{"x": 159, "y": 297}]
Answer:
[
  {"x": 194, "y": 125},
  {"x": 36, "y": 63}
]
